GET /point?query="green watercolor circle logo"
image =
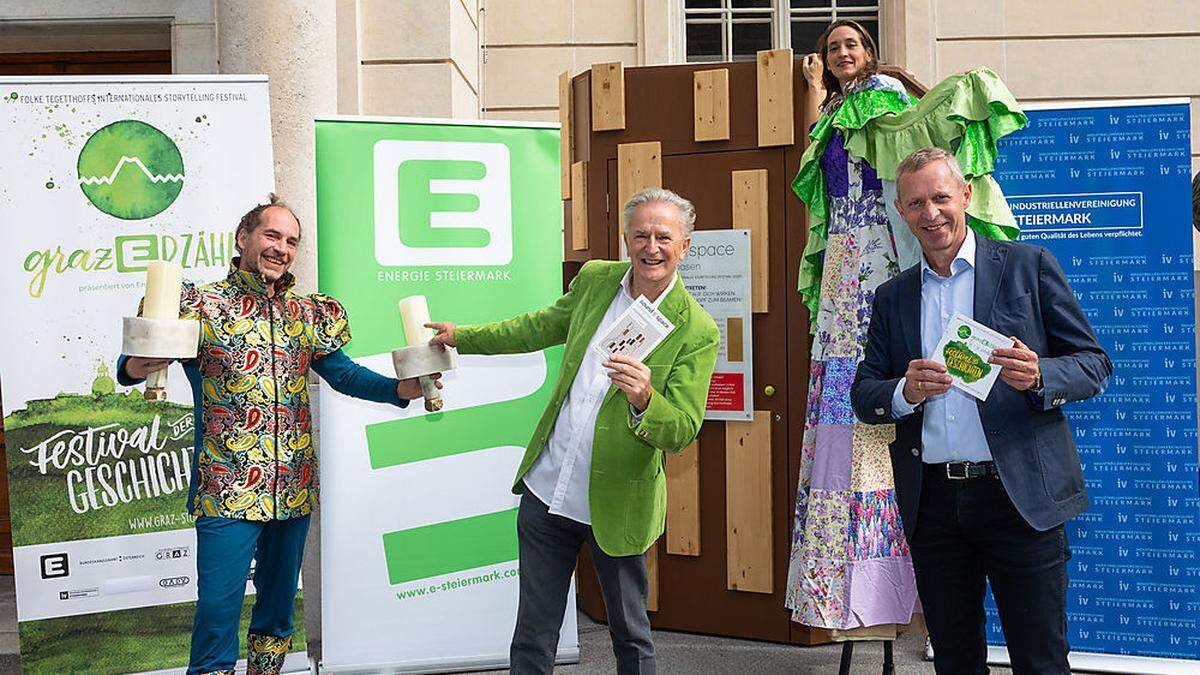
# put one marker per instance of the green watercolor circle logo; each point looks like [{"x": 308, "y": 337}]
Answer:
[
  {"x": 964, "y": 332},
  {"x": 130, "y": 170}
]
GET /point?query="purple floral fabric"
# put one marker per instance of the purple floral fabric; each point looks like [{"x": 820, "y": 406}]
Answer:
[{"x": 850, "y": 565}]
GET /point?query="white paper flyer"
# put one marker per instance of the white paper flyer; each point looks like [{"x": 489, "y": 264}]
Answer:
[{"x": 636, "y": 332}]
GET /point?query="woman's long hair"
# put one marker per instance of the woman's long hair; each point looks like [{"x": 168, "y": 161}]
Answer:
[{"x": 832, "y": 85}]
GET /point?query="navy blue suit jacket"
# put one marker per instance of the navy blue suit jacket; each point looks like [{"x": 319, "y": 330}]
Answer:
[{"x": 1019, "y": 290}]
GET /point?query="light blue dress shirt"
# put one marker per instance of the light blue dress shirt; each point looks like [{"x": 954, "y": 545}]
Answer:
[{"x": 951, "y": 430}]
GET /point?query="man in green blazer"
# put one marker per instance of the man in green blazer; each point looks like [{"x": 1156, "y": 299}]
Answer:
[{"x": 593, "y": 469}]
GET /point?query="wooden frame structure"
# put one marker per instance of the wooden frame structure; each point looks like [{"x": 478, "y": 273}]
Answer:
[{"x": 729, "y": 137}]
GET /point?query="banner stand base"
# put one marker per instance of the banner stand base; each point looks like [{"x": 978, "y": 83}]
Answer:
[
  {"x": 294, "y": 662},
  {"x": 1086, "y": 662},
  {"x": 566, "y": 656}
]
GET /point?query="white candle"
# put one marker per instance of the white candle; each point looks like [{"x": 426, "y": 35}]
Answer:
[
  {"x": 163, "y": 281},
  {"x": 414, "y": 314}
]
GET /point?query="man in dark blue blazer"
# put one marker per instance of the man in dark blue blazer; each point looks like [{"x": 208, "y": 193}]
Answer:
[{"x": 984, "y": 486}]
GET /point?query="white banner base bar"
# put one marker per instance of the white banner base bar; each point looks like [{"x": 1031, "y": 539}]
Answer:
[
  {"x": 296, "y": 662},
  {"x": 566, "y": 656},
  {"x": 1082, "y": 662}
]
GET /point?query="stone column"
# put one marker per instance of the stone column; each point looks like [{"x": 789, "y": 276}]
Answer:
[{"x": 294, "y": 43}]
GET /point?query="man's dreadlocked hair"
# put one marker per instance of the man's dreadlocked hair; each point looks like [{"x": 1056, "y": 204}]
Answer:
[{"x": 253, "y": 217}]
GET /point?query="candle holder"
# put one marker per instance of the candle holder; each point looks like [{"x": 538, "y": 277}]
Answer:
[
  {"x": 422, "y": 362},
  {"x": 159, "y": 339},
  {"x": 159, "y": 332},
  {"x": 421, "y": 359}
]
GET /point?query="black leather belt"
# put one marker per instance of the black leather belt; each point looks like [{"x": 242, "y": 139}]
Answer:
[{"x": 963, "y": 470}]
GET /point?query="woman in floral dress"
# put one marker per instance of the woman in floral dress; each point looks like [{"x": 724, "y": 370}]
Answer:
[{"x": 850, "y": 566}]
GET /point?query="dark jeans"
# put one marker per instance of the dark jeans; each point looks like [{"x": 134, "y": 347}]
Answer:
[
  {"x": 549, "y": 545},
  {"x": 969, "y": 530}
]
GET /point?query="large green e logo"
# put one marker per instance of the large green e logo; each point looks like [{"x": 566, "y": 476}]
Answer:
[
  {"x": 442, "y": 203},
  {"x": 418, "y": 200}
]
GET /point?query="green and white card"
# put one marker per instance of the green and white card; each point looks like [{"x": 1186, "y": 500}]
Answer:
[{"x": 964, "y": 349}]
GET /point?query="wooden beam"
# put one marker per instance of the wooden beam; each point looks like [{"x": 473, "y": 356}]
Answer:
[
  {"x": 750, "y": 212},
  {"x": 579, "y": 216},
  {"x": 566, "y": 140},
  {"x": 683, "y": 501},
  {"x": 608, "y": 96},
  {"x": 774, "y": 97},
  {"x": 639, "y": 166},
  {"x": 748, "y": 504},
  {"x": 711, "y": 104}
]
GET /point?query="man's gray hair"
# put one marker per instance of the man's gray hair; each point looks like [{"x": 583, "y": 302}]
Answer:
[
  {"x": 664, "y": 196},
  {"x": 924, "y": 157}
]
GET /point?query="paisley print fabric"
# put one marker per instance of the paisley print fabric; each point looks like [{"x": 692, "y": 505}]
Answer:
[
  {"x": 257, "y": 460},
  {"x": 265, "y": 653}
]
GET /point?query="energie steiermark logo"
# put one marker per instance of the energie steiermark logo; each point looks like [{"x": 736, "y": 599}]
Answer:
[
  {"x": 442, "y": 204},
  {"x": 130, "y": 170}
]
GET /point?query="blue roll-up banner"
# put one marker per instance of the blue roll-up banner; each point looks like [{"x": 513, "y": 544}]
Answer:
[{"x": 1106, "y": 188}]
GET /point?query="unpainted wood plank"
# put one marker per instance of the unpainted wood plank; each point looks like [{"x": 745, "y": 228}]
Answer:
[
  {"x": 639, "y": 166},
  {"x": 579, "y": 217},
  {"x": 683, "y": 501},
  {"x": 751, "y": 212},
  {"x": 711, "y": 104},
  {"x": 775, "y": 97},
  {"x": 748, "y": 504},
  {"x": 652, "y": 573},
  {"x": 566, "y": 140},
  {"x": 608, "y": 96}
]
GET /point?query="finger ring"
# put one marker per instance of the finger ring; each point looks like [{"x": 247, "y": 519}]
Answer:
[{"x": 920, "y": 385}]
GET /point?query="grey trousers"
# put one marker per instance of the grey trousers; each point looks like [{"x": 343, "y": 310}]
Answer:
[{"x": 549, "y": 545}]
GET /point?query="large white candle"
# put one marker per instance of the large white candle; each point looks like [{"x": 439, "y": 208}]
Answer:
[
  {"x": 163, "y": 282},
  {"x": 414, "y": 314}
]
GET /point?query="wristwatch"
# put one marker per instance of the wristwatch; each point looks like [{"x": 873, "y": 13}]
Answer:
[{"x": 1037, "y": 382}]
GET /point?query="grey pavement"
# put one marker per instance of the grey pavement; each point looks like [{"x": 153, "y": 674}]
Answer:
[
  {"x": 9, "y": 661},
  {"x": 677, "y": 652},
  {"x": 685, "y": 653}
]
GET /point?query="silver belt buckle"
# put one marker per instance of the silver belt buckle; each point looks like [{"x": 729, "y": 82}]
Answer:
[{"x": 965, "y": 470}]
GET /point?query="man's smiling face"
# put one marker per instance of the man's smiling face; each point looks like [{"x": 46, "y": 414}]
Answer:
[
  {"x": 270, "y": 248},
  {"x": 656, "y": 241},
  {"x": 934, "y": 204}
]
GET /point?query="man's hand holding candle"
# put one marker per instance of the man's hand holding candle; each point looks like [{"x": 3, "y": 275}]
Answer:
[
  {"x": 139, "y": 367},
  {"x": 445, "y": 333},
  {"x": 411, "y": 388}
]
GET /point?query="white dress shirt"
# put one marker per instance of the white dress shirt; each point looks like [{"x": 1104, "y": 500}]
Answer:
[
  {"x": 951, "y": 430},
  {"x": 559, "y": 477}
]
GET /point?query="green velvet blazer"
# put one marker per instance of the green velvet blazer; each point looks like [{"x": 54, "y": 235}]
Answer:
[{"x": 627, "y": 491}]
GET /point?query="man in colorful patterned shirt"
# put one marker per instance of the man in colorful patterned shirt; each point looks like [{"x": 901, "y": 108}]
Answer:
[{"x": 254, "y": 476}]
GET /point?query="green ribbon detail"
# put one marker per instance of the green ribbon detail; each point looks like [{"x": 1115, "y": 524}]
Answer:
[{"x": 966, "y": 113}]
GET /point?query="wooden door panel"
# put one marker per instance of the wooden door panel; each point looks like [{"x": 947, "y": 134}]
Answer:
[{"x": 692, "y": 590}]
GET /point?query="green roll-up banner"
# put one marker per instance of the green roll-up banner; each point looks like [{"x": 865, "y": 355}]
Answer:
[{"x": 419, "y": 555}]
